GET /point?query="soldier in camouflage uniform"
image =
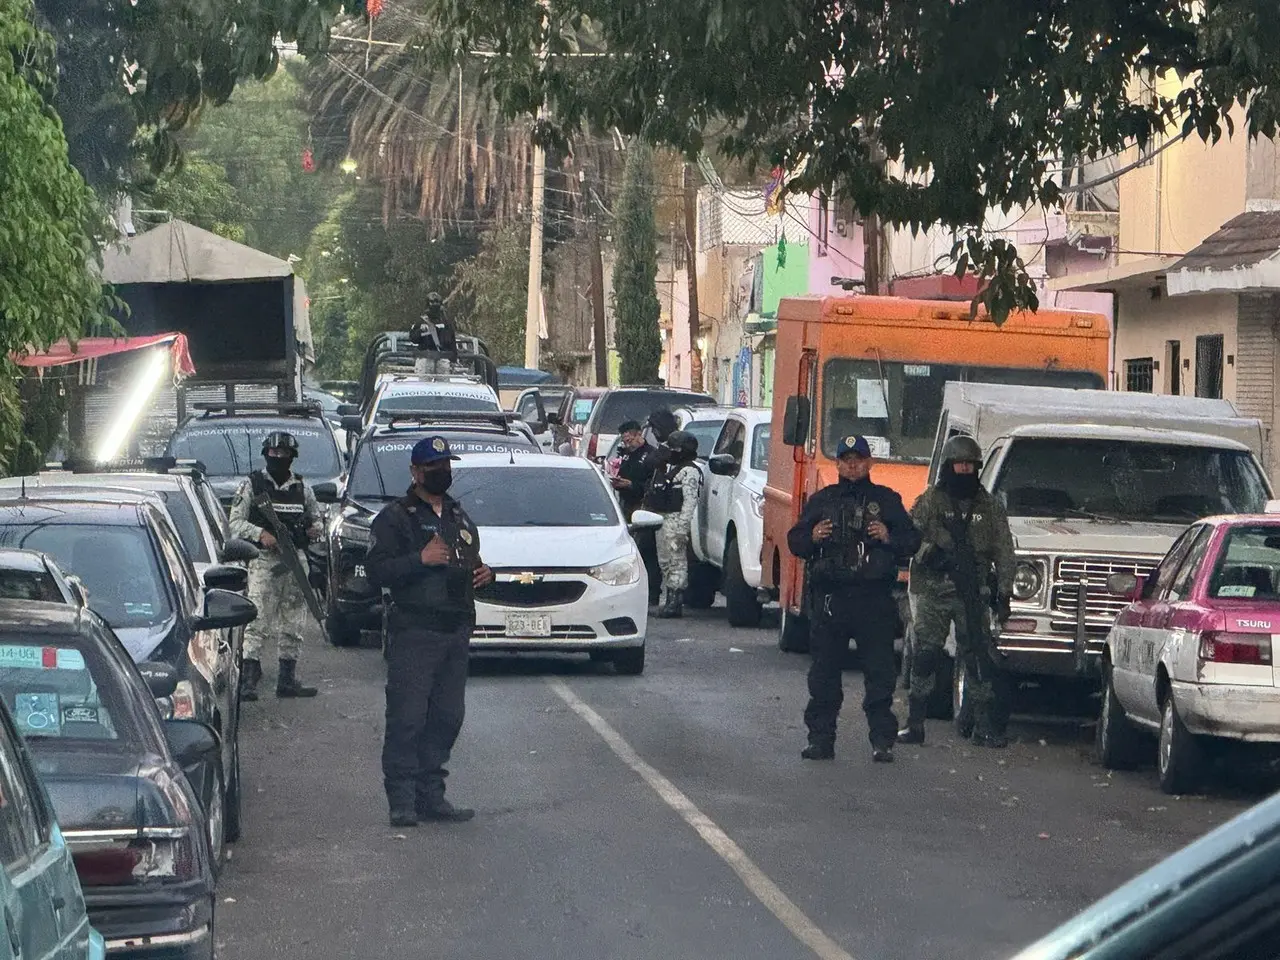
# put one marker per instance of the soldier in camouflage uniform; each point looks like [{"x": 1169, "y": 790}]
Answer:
[
  {"x": 282, "y": 611},
  {"x": 962, "y": 570},
  {"x": 673, "y": 492}
]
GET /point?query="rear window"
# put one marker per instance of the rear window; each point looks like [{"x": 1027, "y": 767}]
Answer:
[
  {"x": 617, "y": 408},
  {"x": 62, "y": 689},
  {"x": 29, "y": 585},
  {"x": 760, "y": 448},
  {"x": 1248, "y": 564},
  {"x": 705, "y": 432},
  {"x": 580, "y": 412}
]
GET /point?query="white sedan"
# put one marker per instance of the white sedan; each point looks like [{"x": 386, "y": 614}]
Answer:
[{"x": 568, "y": 575}]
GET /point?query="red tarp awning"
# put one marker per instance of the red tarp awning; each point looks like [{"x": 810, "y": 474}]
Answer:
[{"x": 91, "y": 348}]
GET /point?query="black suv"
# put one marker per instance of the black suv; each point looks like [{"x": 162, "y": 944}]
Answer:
[
  {"x": 124, "y": 549},
  {"x": 380, "y": 474}
]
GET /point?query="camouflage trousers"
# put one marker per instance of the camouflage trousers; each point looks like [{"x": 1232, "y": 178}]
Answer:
[
  {"x": 673, "y": 552},
  {"x": 283, "y": 615},
  {"x": 935, "y": 612}
]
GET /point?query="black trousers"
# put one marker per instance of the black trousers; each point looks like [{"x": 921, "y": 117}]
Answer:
[
  {"x": 871, "y": 618},
  {"x": 647, "y": 544},
  {"x": 426, "y": 703}
]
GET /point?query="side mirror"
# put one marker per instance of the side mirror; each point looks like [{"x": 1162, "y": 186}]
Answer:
[
  {"x": 352, "y": 422},
  {"x": 191, "y": 742},
  {"x": 724, "y": 465},
  {"x": 326, "y": 492},
  {"x": 347, "y": 410},
  {"x": 162, "y": 679},
  {"x": 224, "y": 610},
  {"x": 237, "y": 550},
  {"x": 795, "y": 421},
  {"x": 222, "y": 577},
  {"x": 644, "y": 520},
  {"x": 1125, "y": 585}
]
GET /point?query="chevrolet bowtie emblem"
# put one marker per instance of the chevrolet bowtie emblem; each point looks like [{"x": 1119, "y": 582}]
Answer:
[{"x": 527, "y": 579}]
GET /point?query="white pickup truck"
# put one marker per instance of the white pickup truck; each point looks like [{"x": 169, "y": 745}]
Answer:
[{"x": 728, "y": 523}]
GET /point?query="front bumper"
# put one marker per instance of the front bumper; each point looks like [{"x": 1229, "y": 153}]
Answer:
[
  {"x": 603, "y": 617},
  {"x": 1250, "y": 714},
  {"x": 152, "y": 928}
]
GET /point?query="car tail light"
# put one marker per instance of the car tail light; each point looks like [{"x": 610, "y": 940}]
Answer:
[
  {"x": 163, "y": 854},
  {"x": 592, "y": 444},
  {"x": 1220, "y": 647}
]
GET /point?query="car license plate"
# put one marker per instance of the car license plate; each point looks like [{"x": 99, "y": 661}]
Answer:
[{"x": 528, "y": 625}]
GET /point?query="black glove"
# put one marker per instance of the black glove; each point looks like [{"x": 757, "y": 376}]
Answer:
[{"x": 934, "y": 558}]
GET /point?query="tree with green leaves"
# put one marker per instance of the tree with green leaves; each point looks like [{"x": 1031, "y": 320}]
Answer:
[
  {"x": 49, "y": 220},
  {"x": 922, "y": 113},
  {"x": 198, "y": 192},
  {"x": 490, "y": 292},
  {"x": 635, "y": 271}
]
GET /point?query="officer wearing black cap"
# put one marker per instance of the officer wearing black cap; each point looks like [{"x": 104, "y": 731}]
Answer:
[
  {"x": 425, "y": 550},
  {"x": 852, "y": 535}
]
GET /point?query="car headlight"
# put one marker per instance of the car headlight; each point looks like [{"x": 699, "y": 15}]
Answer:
[
  {"x": 620, "y": 572},
  {"x": 1027, "y": 580},
  {"x": 757, "y": 504}
]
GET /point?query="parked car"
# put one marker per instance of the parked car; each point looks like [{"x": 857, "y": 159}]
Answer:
[
  {"x": 121, "y": 782},
  {"x": 141, "y": 582},
  {"x": 568, "y": 575},
  {"x": 227, "y": 440},
  {"x": 576, "y": 407},
  {"x": 31, "y": 575},
  {"x": 728, "y": 523},
  {"x": 380, "y": 474},
  {"x": 407, "y": 393},
  {"x": 619, "y": 404},
  {"x": 1213, "y": 900},
  {"x": 1191, "y": 658}
]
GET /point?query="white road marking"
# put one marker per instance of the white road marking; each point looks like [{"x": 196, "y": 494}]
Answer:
[{"x": 755, "y": 880}]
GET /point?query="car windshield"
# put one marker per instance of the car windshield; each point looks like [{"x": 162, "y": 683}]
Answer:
[
  {"x": 623, "y": 405},
  {"x": 29, "y": 585},
  {"x": 760, "y": 448},
  {"x": 898, "y": 404},
  {"x": 60, "y": 688},
  {"x": 705, "y": 431},
  {"x": 232, "y": 448},
  {"x": 435, "y": 403},
  {"x": 1248, "y": 564},
  {"x": 534, "y": 497},
  {"x": 381, "y": 467},
  {"x": 116, "y": 564},
  {"x": 1123, "y": 480}
]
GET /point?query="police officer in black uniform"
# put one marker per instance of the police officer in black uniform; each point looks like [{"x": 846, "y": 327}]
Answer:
[
  {"x": 425, "y": 550},
  {"x": 639, "y": 461},
  {"x": 852, "y": 535}
]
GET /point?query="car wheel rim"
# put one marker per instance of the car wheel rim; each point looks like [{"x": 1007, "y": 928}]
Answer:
[{"x": 1166, "y": 736}]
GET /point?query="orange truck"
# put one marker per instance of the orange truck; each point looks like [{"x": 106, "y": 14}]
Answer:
[{"x": 876, "y": 366}]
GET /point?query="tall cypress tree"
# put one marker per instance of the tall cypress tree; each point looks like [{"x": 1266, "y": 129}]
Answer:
[{"x": 635, "y": 272}]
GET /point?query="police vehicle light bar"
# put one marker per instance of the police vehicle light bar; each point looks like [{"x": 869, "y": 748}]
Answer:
[{"x": 134, "y": 465}]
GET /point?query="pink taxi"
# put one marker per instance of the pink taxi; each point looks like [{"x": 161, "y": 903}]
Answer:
[{"x": 1190, "y": 659}]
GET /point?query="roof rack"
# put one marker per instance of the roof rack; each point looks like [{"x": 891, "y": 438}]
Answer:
[
  {"x": 231, "y": 408},
  {"x": 139, "y": 465}
]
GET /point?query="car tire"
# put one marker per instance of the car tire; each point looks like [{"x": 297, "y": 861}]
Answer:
[
  {"x": 629, "y": 662},
  {"x": 216, "y": 819},
  {"x": 703, "y": 581},
  {"x": 1179, "y": 757},
  {"x": 339, "y": 629},
  {"x": 234, "y": 794},
  {"x": 1116, "y": 740},
  {"x": 941, "y": 705},
  {"x": 740, "y": 599},
  {"x": 962, "y": 710},
  {"x": 793, "y": 632}
]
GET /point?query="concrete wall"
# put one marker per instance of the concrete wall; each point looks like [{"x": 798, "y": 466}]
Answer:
[{"x": 1145, "y": 326}]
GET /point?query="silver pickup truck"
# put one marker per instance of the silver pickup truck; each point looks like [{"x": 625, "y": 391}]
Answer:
[{"x": 1094, "y": 483}]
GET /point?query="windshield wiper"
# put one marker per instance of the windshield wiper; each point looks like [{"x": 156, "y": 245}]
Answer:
[{"x": 1089, "y": 515}]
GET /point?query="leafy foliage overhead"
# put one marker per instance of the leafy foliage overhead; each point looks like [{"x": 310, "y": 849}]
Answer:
[{"x": 976, "y": 103}]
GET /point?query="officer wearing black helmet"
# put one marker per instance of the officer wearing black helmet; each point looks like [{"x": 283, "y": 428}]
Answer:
[
  {"x": 283, "y": 614},
  {"x": 673, "y": 493},
  {"x": 852, "y": 536},
  {"x": 425, "y": 551}
]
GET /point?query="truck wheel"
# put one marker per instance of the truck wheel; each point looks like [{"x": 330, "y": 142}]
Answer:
[
  {"x": 740, "y": 599},
  {"x": 1180, "y": 758},
  {"x": 1115, "y": 739},
  {"x": 961, "y": 699},
  {"x": 940, "y": 705},
  {"x": 703, "y": 581},
  {"x": 793, "y": 632}
]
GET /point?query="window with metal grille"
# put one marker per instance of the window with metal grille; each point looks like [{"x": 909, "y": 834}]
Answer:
[
  {"x": 1139, "y": 375},
  {"x": 1209, "y": 366}
]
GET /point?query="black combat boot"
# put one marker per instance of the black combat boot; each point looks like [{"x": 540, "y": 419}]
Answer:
[
  {"x": 250, "y": 674},
  {"x": 403, "y": 817},
  {"x": 819, "y": 750},
  {"x": 673, "y": 606},
  {"x": 442, "y": 811},
  {"x": 882, "y": 754},
  {"x": 287, "y": 684},
  {"x": 913, "y": 732}
]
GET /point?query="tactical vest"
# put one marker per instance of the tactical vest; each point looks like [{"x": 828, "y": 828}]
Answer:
[
  {"x": 851, "y": 556},
  {"x": 666, "y": 495},
  {"x": 289, "y": 502},
  {"x": 442, "y": 590}
]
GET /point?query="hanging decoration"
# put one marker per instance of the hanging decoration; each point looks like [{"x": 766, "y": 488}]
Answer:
[
  {"x": 308, "y": 156},
  {"x": 774, "y": 191},
  {"x": 374, "y": 7},
  {"x": 782, "y": 250}
]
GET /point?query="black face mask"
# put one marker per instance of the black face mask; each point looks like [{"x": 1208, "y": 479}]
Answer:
[
  {"x": 279, "y": 467},
  {"x": 437, "y": 482},
  {"x": 963, "y": 486}
]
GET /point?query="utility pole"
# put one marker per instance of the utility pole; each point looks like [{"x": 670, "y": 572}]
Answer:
[
  {"x": 533, "y": 305},
  {"x": 691, "y": 271},
  {"x": 871, "y": 254},
  {"x": 597, "y": 297}
]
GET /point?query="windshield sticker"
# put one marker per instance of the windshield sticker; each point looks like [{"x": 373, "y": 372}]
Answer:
[
  {"x": 600, "y": 517},
  {"x": 871, "y": 399},
  {"x": 915, "y": 369},
  {"x": 1237, "y": 590},
  {"x": 879, "y": 446},
  {"x": 36, "y": 712},
  {"x": 69, "y": 660},
  {"x": 78, "y": 714},
  {"x": 140, "y": 609}
]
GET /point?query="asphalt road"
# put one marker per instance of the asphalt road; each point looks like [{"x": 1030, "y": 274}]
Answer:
[{"x": 668, "y": 817}]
